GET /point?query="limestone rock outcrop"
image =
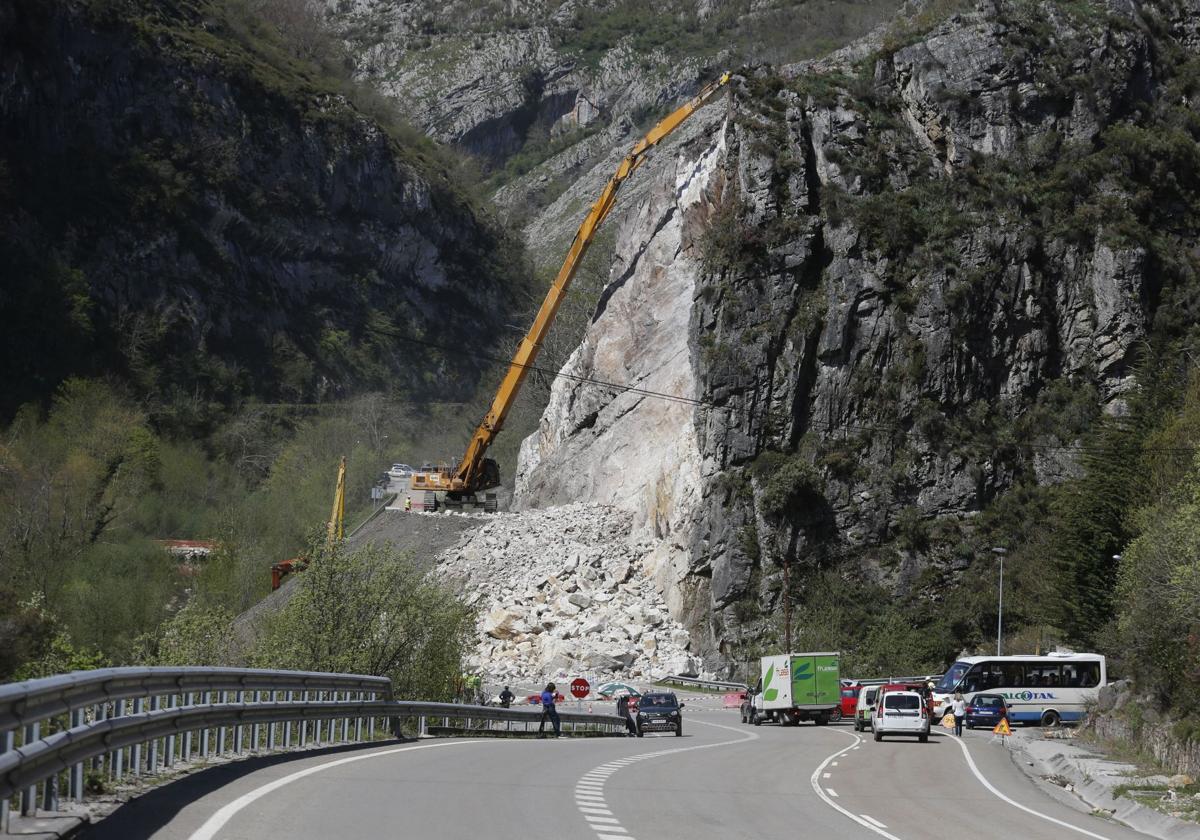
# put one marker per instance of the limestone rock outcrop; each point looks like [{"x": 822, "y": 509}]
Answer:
[{"x": 858, "y": 305}]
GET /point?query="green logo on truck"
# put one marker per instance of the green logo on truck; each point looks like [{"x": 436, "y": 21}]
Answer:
[
  {"x": 769, "y": 694},
  {"x": 800, "y": 671}
]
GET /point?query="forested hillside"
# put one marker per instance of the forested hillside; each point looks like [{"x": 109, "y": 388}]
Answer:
[{"x": 225, "y": 264}]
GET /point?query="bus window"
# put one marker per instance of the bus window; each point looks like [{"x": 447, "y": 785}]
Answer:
[
  {"x": 1014, "y": 674},
  {"x": 1081, "y": 674},
  {"x": 1045, "y": 673}
]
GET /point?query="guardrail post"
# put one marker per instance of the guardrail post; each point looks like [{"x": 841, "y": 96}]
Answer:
[
  {"x": 271, "y": 726},
  {"x": 358, "y": 721},
  {"x": 206, "y": 698},
  {"x": 169, "y": 758},
  {"x": 50, "y": 793},
  {"x": 98, "y": 712},
  {"x": 187, "y": 736},
  {"x": 237, "y": 732},
  {"x": 221, "y": 698},
  {"x": 75, "y": 784},
  {"x": 6, "y": 745},
  {"x": 29, "y": 795},
  {"x": 304, "y": 722},
  {"x": 152, "y": 759},
  {"x": 254, "y": 730},
  {"x": 345, "y": 720},
  {"x": 135, "y": 755},
  {"x": 287, "y": 728},
  {"x": 118, "y": 756}
]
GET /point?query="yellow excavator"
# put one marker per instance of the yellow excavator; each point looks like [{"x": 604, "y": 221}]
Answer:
[
  {"x": 476, "y": 473},
  {"x": 335, "y": 531}
]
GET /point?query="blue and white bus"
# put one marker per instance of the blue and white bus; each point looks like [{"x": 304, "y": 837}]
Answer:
[{"x": 1038, "y": 689}]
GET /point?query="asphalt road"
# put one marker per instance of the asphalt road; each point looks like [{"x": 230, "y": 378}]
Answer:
[{"x": 721, "y": 780}]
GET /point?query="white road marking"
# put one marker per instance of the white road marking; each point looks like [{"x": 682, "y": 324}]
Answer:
[
  {"x": 826, "y": 775},
  {"x": 828, "y": 800},
  {"x": 589, "y": 790},
  {"x": 831, "y": 792},
  {"x": 1018, "y": 805},
  {"x": 218, "y": 820},
  {"x": 872, "y": 821},
  {"x": 834, "y": 764}
]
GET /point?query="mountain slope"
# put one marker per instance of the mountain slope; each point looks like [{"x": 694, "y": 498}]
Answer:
[
  {"x": 188, "y": 205},
  {"x": 918, "y": 276}
]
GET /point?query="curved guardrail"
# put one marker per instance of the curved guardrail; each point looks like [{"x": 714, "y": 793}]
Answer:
[
  {"x": 696, "y": 682},
  {"x": 54, "y": 730}
]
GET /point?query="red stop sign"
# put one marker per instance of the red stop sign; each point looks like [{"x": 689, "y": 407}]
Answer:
[{"x": 580, "y": 687}]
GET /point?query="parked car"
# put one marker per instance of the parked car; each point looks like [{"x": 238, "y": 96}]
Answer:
[
  {"x": 747, "y": 705},
  {"x": 536, "y": 699},
  {"x": 850, "y": 692},
  {"x": 986, "y": 710},
  {"x": 901, "y": 713},
  {"x": 661, "y": 712},
  {"x": 400, "y": 471},
  {"x": 865, "y": 707},
  {"x": 918, "y": 687}
]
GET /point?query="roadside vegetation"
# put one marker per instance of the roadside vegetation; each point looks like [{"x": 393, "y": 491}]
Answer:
[{"x": 88, "y": 487}]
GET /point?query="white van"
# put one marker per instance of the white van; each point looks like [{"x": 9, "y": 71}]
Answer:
[
  {"x": 901, "y": 713},
  {"x": 865, "y": 709}
]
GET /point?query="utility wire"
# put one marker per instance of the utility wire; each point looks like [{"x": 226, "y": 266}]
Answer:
[{"x": 811, "y": 422}]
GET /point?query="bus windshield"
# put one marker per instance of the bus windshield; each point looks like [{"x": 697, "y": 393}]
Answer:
[{"x": 952, "y": 677}]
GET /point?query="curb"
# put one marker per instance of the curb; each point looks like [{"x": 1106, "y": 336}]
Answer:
[
  {"x": 1096, "y": 795},
  {"x": 47, "y": 826}
]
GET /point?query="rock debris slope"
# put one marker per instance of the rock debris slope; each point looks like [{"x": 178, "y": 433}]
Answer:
[{"x": 565, "y": 591}]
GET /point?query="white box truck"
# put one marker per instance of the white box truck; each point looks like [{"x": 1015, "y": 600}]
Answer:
[{"x": 796, "y": 687}]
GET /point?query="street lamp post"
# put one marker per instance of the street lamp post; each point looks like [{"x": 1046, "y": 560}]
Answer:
[{"x": 1000, "y": 611}]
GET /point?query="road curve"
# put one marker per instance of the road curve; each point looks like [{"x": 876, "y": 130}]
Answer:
[{"x": 720, "y": 780}]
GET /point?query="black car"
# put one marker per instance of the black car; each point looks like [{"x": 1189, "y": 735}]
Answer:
[
  {"x": 986, "y": 710},
  {"x": 660, "y": 712}
]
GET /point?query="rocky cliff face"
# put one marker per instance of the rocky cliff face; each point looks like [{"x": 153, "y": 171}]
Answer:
[
  {"x": 192, "y": 206},
  {"x": 891, "y": 287}
]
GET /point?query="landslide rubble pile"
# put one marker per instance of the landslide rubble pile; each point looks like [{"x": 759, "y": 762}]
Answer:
[{"x": 564, "y": 591}]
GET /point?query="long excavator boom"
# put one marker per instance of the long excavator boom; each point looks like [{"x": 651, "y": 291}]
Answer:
[{"x": 474, "y": 472}]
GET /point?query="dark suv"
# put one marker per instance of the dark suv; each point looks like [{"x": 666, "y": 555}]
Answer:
[{"x": 660, "y": 712}]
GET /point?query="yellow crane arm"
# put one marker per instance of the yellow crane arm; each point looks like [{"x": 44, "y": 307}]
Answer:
[
  {"x": 337, "y": 517},
  {"x": 469, "y": 475}
]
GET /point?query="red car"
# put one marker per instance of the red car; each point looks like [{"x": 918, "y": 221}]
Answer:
[
  {"x": 850, "y": 699},
  {"x": 536, "y": 699}
]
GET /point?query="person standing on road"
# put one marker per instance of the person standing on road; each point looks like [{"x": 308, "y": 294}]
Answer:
[
  {"x": 549, "y": 712},
  {"x": 506, "y": 697},
  {"x": 623, "y": 711},
  {"x": 407, "y": 504},
  {"x": 959, "y": 707}
]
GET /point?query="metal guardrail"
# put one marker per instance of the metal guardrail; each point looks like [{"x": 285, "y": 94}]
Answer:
[
  {"x": 119, "y": 722},
  {"x": 695, "y": 682}
]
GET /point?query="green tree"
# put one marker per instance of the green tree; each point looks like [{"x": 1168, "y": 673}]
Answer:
[{"x": 370, "y": 612}]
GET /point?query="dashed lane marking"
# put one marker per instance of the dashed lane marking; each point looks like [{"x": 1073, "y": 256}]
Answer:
[
  {"x": 828, "y": 800},
  {"x": 589, "y": 790},
  {"x": 831, "y": 792},
  {"x": 872, "y": 821}
]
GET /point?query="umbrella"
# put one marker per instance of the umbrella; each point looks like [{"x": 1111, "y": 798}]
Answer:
[{"x": 618, "y": 689}]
